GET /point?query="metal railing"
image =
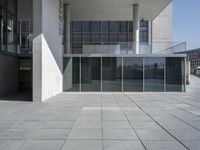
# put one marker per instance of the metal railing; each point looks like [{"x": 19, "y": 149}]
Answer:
[
  {"x": 132, "y": 48},
  {"x": 24, "y": 36}
]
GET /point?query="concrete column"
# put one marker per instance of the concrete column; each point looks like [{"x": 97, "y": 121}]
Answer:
[
  {"x": 136, "y": 29},
  {"x": 67, "y": 28},
  {"x": 47, "y": 50}
]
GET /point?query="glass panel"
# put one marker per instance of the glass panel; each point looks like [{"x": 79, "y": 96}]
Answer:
[
  {"x": 144, "y": 35},
  {"x": 87, "y": 26},
  {"x": 71, "y": 75},
  {"x": 105, "y": 38},
  {"x": 11, "y": 34},
  {"x": 175, "y": 74},
  {"x": 3, "y": 29},
  {"x": 105, "y": 26},
  {"x": 124, "y": 26},
  {"x": 87, "y": 38},
  {"x": 133, "y": 74},
  {"x": 78, "y": 26},
  {"x": 90, "y": 74},
  {"x": 78, "y": 38},
  {"x": 154, "y": 74},
  {"x": 114, "y": 26},
  {"x": 72, "y": 26},
  {"x": 113, "y": 37},
  {"x": 123, "y": 37},
  {"x": 95, "y": 26},
  {"x": 130, "y": 26},
  {"x": 111, "y": 74},
  {"x": 96, "y": 38}
]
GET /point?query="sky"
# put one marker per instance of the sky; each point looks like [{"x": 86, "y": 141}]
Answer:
[{"x": 187, "y": 22}]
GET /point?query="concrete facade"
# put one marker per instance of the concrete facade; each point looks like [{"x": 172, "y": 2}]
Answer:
[
  {"x": 47, "y": 50},
  {"x": 162, "y": 29},
  {"x": 48, "y": 43},
  {"x": 8, "y": 74}
]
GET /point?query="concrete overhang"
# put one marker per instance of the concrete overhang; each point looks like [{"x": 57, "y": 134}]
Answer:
[{"x": 114, "y": 9}]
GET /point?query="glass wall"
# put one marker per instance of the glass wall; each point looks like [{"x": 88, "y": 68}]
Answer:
[
  {"x": 8, "y": 27},
  {"x": 175, "y": 74},
  {"x": 132, "y": 74},
  {"x": 91, "y": 74},
  {"x": 154, "y": 74},
  {"x": 104, "y": 32},
  {"x": 71, "y": 74},
  {"x": 111, "y": 74},
  {"x": 128, "y": 74}
]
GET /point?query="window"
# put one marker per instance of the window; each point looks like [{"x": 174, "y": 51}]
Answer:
[
  {"x": 111, "y": 74},
  {"x": 133, "y": 74},
  {"x": 175, "y": 74},
  {"x": 154, "y": 74},
  {"x": 144, "y": 33},
  {"x": 107, "y": 32},
  {"x": 90, "y": 74},
  {"x": 95, "y": 26},
  {"x": 105, "y": 26},
  {"x": 71, "y": 74},
  {"x": 8, "y": 26},
  {"x": 78, "y": 26}
]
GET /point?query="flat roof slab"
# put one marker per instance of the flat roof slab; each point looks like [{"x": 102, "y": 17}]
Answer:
[{"x": 114, "y": 9}]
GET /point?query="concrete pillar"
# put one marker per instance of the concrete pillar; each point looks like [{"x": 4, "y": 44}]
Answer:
[
  {"x": 47, "y": 50},
  {"x": 67, "y": 28},
  {"x": 136, "y": 29}
]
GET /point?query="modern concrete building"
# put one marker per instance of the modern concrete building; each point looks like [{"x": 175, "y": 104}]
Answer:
[{"x": 54, "y": 46}]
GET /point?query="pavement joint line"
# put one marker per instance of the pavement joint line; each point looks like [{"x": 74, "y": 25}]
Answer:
[
  {"x": 132, "y": 127},
  {"x": 184, "y": 122},
  {"x": 182, "y": 101},
  {"x": 158, "y": 123},
  {"x": 102, "y": 123},
  {"x": 70, "y": 131}
]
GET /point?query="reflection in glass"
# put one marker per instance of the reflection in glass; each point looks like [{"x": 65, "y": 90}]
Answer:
[
  {"x": 111, "y": 74},
  {"x": 96, "y": 38},
  {"x": 71, "y": 75},
  {"x": 87, "y": 26},
  {"x": 175, "y": 74},
  {"x": 78, "y": 37},
  {"x": 114, "y": 26},
  {"x": 113, "y": 37},
  {"x": 11, "y": 34},
  {"x": 123, "y": 37},
  {"x": 3, "y": 25},
  {"x": 8, "y": 25},
  {"x": 124, "y": 26},
  {"x": 95, "y": 26},
  {"x": 78, "y": 26},
  {"x": 105, "y": 38},
  {"x": 154, "y": 74},
  {"x": 105, "y": 26},
  {"x": 133, "y": 74},
  {"x": 88, "y": 38},
  {"x": 91, "y": 74}
]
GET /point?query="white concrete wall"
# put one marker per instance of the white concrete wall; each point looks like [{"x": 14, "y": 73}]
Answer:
[
  {"x": 8, "y": 74},
  {"x": 162, "y": 29},
  {"x": 47, "y": 50},
  {"x": 25, "y": 9}
]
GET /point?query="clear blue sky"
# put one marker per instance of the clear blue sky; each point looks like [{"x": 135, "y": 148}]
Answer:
[{"x": 187, "y": 22}]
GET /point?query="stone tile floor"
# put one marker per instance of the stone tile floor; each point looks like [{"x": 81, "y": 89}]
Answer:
[{"x": 104, "y": 121}]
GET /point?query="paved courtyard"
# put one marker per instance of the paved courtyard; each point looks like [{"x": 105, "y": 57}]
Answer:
[{"x": 104, "y": 121}]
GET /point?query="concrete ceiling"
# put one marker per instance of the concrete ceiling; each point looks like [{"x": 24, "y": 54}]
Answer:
[{"x": 114, "y": 9}]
